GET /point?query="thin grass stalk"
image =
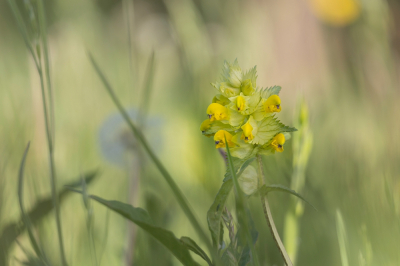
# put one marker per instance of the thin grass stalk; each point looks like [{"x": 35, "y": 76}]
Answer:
[
  {"x": 240, "y": 210},
  {"x": 49, "y": 138},
  {"x": 268, "y": 216},
  {"x": 43, "y": 35},
  {"x": 22, "y": 29},
  {"x": 53, "y": 180},
  {"x": 89, "y": 221},
  {"x": 139, "y": 135}
]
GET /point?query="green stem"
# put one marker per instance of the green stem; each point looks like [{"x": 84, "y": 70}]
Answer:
[
  {"x": 268, "y": 216},
  {"x": 52, "y": 171}
]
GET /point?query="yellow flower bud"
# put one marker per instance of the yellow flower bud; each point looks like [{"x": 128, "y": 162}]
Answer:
[
  {"x": 216, "y": 111},
  {"x": 247, "y": 131},
  {"x": 240, "y": 103},
  {"x": 277, "y": 142},
  {"x": 219, "y": 139},
  {"x": 273, "y": 104}
]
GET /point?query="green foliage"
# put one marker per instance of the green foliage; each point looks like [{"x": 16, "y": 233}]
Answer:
[
  {"x": 142, "y": 219},
  {"x": 267, "y": 92},
  {"x": 240, "y": 208},
  {"x": 41, "y": 209},
  {"x": 215, "y": 212},
  {"x": 191, "y": 245},
  {"x": 140, "y": 137},
  {"x": 266, "y": 189}
]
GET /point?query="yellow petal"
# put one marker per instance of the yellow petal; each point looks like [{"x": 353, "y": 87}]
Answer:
[
  {"x": 277, "y": 142},
  {"x": 219, "y": 139},
  {"x": 273, "y": 104},
  {"x": 216, "y": 111}
]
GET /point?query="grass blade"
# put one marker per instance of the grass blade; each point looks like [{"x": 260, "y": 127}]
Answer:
[
  {"x": 22, "y": 29},
  {"x": 240, "y": 209},
  {"x": 25, "y": 217},
  {"x": 139, "y": 136},
  {"x": 342, "y": 238},
  {"x": 43, "y": 35},
  {"x": 147, "y": 89},
  {"x": 191, "y": 245},
  {"x": 266, "y": 189}
]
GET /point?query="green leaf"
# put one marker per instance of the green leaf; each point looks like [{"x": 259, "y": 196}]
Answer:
[
  {"x": 267, "y": 92},
  {"x": 268, "y": 128},
  {"x": 191, "y": 245},
  {"x": 266, "y": 189},
  {"x": 252, "y": 75},
  {"x": 240, "y": 207},
  {"x": 38, "y": 212},
  {"x": 141, "y": 218},
  {"x": 215, "y": 212}
]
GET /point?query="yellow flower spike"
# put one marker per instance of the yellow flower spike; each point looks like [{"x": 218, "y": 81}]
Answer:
[
  {"x": 247, "y": 131},
  {"x": 240, "y": 103},
  {"x": 273, "y": 104},
  {"x": 216, "y": 111},
  {"x": 219, "y": 139},
  {"x": 205, "y": 125},
  {"x": 277, "y": 142}
]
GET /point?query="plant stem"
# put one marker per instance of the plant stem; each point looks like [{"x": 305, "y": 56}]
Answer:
[
  {"x": 268, "y": 215},
  {"x": 52, "y": 171}
]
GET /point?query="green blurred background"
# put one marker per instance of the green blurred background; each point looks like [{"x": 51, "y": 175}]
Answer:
[{"x": 342, "y": 58}]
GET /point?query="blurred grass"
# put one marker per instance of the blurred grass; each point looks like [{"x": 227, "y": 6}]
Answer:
[{"x": 349, "y": 76}]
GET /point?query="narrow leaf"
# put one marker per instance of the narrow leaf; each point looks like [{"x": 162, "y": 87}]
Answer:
[
  {"x": 25, "y": 217},
  {"x": 215, "y": 212},
  {"x": 191, "y": 245},
  {"x": 266, "y": 189}
]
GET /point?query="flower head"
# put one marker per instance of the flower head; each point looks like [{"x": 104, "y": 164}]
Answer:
[{"x": 243, "y": 115}]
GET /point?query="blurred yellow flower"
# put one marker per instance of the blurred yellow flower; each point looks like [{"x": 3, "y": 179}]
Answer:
[{"x": 336, "y": 12}]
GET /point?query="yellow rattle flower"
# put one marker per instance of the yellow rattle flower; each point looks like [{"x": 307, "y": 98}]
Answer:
[
  {"x": 219, "y": 139},
  {"x": 277, "y": 142},
  {"x": 216, "y": 111},
  {"x": 273, "y": 104}
]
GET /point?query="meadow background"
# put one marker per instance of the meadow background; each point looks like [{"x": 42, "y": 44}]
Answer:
[{"x": 344, "y": 64}]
